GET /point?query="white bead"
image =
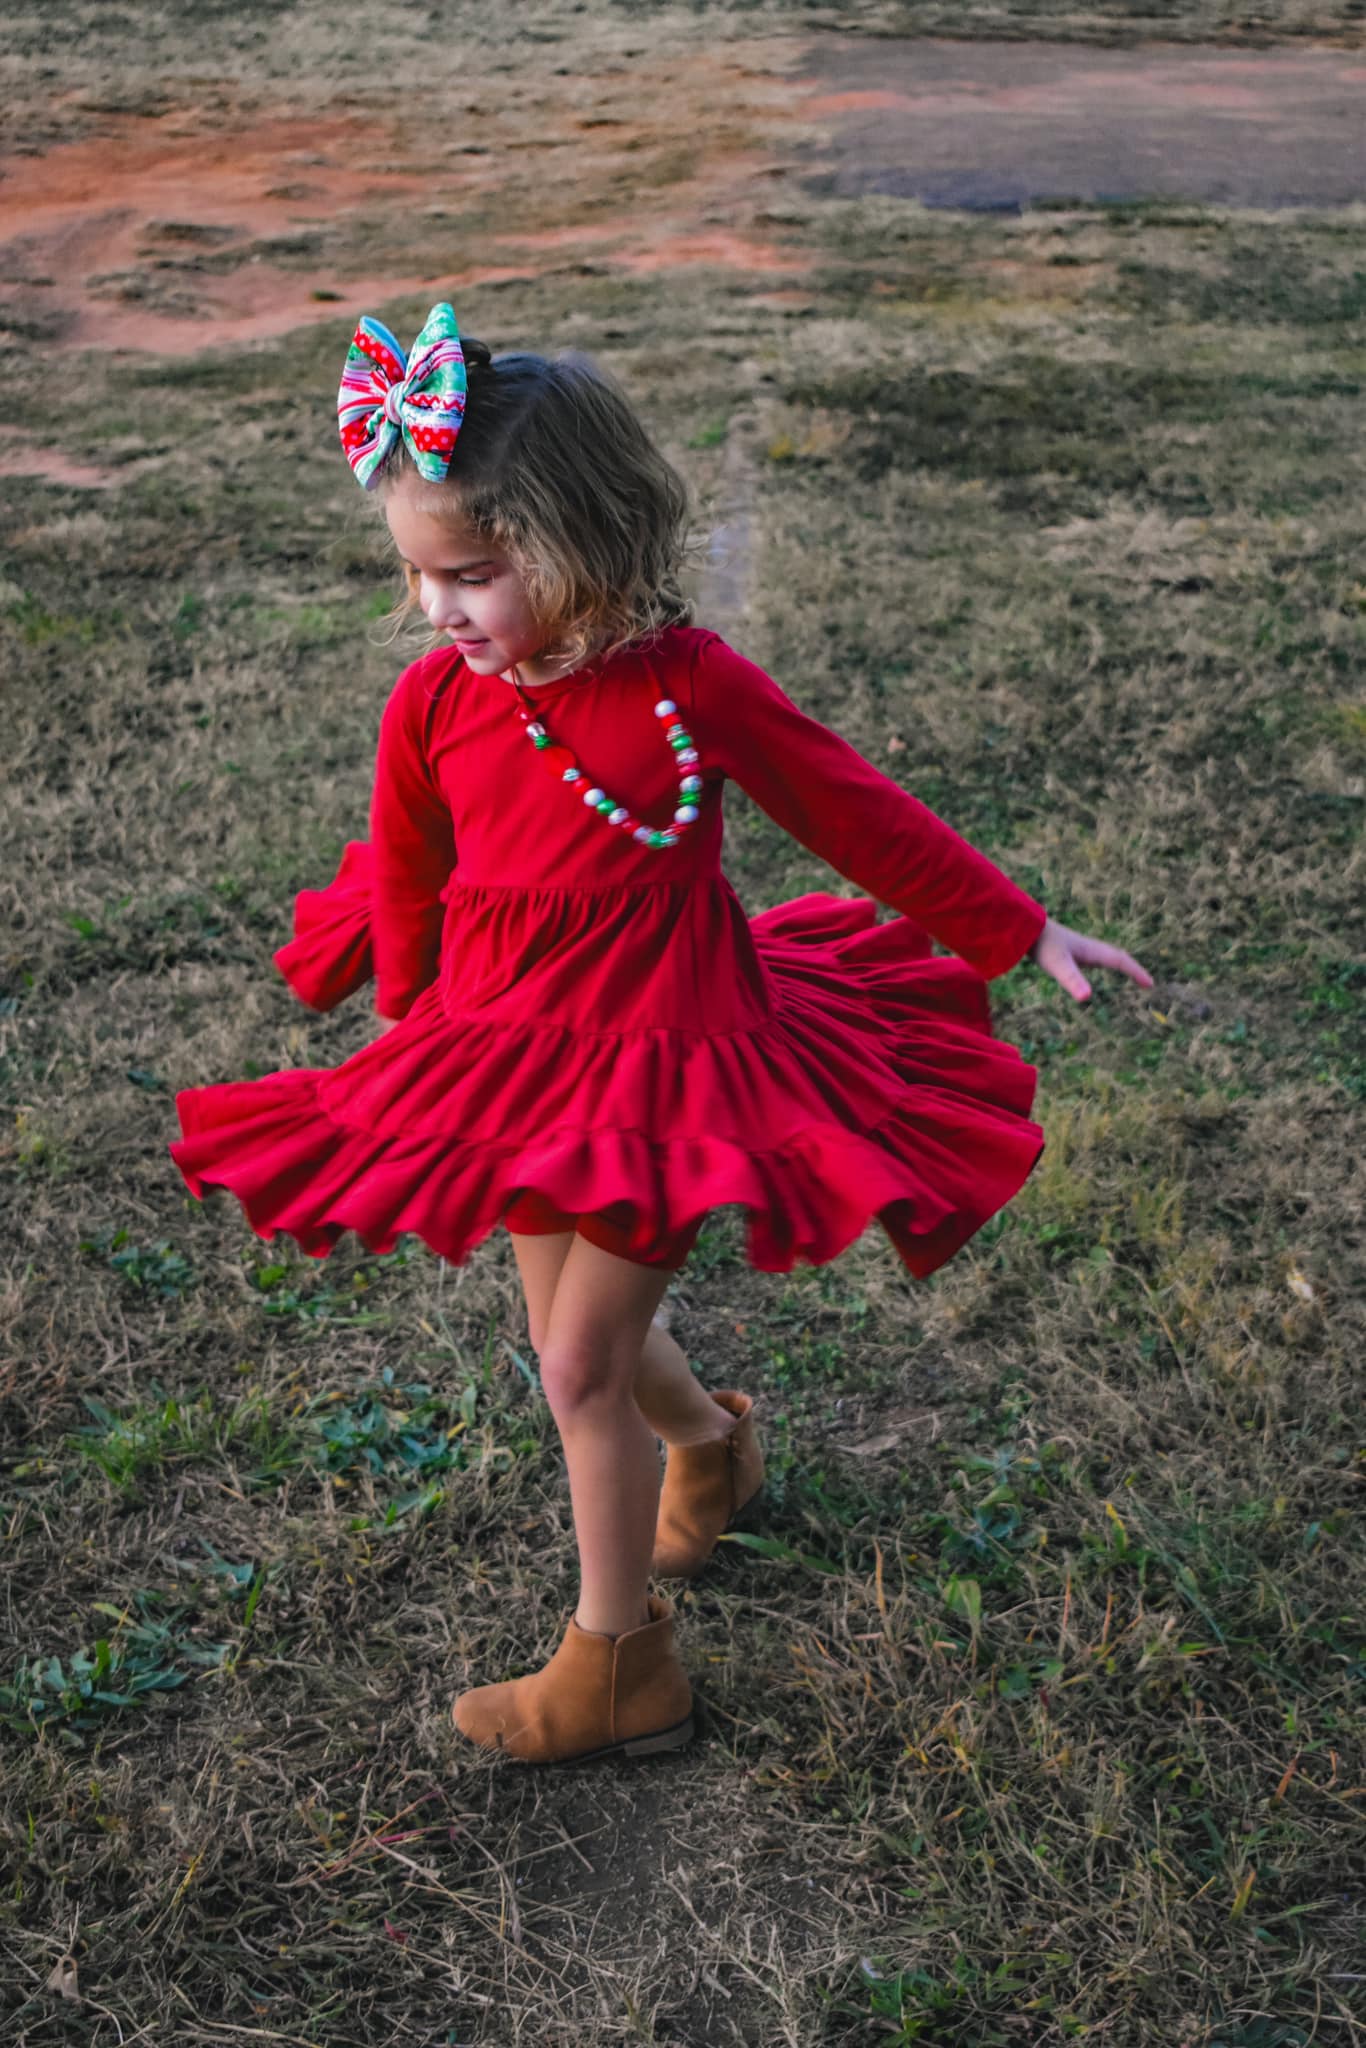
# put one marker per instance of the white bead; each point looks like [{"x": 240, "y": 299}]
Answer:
[
  {"x": 690, "y": 783},
  {"x": 618, "y": 816},
  {"x": 685, "y": 814},
  {"x": 642, "y": 833},
  {"x": 572, "y": 774},
  {"x": 537, "y": 731},
  {"x": 665, "y": 707},
  {"x": 593, "y": 796},
  {"x": 687, "y": 756}
]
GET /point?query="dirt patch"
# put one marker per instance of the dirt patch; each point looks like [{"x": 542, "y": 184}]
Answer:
[
  {"x": 170, "y": 231},
  {"x": 989, "y": 125},
  {"x": 21, "y": 457}
]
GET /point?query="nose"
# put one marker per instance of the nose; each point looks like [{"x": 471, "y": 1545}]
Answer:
[{"x": 442, "y": 607}]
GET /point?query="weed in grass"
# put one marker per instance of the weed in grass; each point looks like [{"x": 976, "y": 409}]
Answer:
[
  {"x": 245, "y": 1582},
  {"x": 782, "y": 1553},
  {"x": 997, "y": 1521},
  {"x": 157, "y": 1271},
  {"x": 810, "y": 1359},
  {"x": 1334, "y": 1010},
  {"x": 37, "y": 1151},
  {"x": 406, "y": 1431},
  {"x": 38, "y": 627},
  {"x": 188, "y": 616},
  {"x": 154, "y": 1084},
  {"x": 145, "y": 1438},
  {"x": 294, "y": 1288},
  {"x": 966, "y": 2004},
  {"x": 136, "y": 1446},
  {"x": 711, "y": 435},
  {"x": 154, "y": 1653}
]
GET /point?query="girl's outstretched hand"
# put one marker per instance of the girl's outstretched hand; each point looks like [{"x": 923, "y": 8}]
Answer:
[{"x": 1061, "y": 952}]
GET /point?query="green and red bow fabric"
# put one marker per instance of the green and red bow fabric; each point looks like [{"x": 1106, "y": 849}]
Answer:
[{"x": 385, "y": 394}]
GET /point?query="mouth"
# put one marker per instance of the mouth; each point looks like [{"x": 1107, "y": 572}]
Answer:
[{"x": 467, "y": 646}]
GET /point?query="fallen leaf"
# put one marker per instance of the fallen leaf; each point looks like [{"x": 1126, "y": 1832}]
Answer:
[
  {"x": 63, "y": 1981},
  {"x": 1298, "y": 1285}
]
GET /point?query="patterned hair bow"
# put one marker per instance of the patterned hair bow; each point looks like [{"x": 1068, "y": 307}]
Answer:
[{"x": 384, "y": 393}]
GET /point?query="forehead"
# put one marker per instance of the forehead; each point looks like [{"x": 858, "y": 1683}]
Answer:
[{"x": 429, "y": 540}]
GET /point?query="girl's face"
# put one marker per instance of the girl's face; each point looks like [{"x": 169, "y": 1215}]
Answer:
[{"x": 468, "y": 590}]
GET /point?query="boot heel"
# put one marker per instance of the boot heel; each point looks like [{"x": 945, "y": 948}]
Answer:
[{"x": 667, "y": 1738}]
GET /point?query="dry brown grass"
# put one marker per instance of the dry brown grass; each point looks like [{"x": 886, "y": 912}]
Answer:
[{"x": 1047, "y": 1724}]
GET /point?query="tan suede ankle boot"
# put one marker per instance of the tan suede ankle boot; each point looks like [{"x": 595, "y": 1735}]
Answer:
[
  {"x": 706, "y": 1487},
  {"x": 598, "y": 1696}
]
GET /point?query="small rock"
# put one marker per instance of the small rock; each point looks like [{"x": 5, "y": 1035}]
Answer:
[{"x": 1186, "y": 999}]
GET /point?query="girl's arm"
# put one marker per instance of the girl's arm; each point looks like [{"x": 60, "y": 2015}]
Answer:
[
  {"x": 822, "y": 791},
  {"x": 413, "y": 851}
]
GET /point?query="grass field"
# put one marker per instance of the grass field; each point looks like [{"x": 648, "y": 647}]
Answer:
[{"x": 1035, "y": 1714}]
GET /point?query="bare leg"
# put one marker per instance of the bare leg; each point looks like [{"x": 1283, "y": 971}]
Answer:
[
  {"x": 539, "y": 1260},
  {"x": 668, "y": 1394},
  {"x": 671, "y": 1398},
  {"x": 590, "y": 1352}
]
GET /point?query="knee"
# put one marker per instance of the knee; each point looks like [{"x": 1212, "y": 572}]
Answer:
[
  {"x": 536, "y": 1332},
  {"x": 577, "y": 1376}
]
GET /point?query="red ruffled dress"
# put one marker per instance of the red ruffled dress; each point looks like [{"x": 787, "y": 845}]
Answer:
[{"x": 596, "y": 1025}]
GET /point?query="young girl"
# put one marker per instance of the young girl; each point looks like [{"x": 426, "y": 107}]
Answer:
[{"x": 586, "y": 1039}]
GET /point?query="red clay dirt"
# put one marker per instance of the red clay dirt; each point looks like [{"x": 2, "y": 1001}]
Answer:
[
  {"x": 166, "y": 235},
  {"x": 19, "y": 456},
  {"x": 174, "y": 231}
]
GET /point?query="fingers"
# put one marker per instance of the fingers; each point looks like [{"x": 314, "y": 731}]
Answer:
[
  {"x": 1096, "y": 953},
  {"x": 1063, "y": 961},
  {"x": 1125, "y": 963}
]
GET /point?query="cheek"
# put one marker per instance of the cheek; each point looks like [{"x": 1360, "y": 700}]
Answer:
[
  {"x": 526, "y": 617},
  {"x": 511, "y": 614}
]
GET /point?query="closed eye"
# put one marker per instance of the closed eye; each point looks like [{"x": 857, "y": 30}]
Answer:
[{"x": 412, "y": 577}]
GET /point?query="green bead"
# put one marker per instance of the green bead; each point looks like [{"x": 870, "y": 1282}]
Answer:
[
  {"x": 658, "y": 839},
  {"x": 539, "y": 740},
  {"x": 609, "y": 803},
  {"x": 679, "y": 741}
]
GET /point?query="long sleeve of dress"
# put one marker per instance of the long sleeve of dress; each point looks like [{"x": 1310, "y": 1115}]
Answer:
[
  {"x": 869, "y": 829},
  {"x": 413, "y": 852}
]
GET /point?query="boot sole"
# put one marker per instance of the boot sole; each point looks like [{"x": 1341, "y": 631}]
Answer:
[{"x": 663, "y": 1739}]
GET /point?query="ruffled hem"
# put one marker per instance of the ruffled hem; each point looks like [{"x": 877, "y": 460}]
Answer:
[
  {"x": 294, "y": 1172},
  {"x": 875, "y": 1092}
]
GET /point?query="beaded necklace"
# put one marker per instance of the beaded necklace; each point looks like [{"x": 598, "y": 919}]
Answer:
[{"x": 560, "y": 762}]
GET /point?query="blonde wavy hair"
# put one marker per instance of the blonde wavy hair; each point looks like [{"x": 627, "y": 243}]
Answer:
[{"x": 553, "y": 466}]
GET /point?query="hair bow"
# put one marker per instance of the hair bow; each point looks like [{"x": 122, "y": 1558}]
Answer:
[{"x": 384, "y": 393}]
